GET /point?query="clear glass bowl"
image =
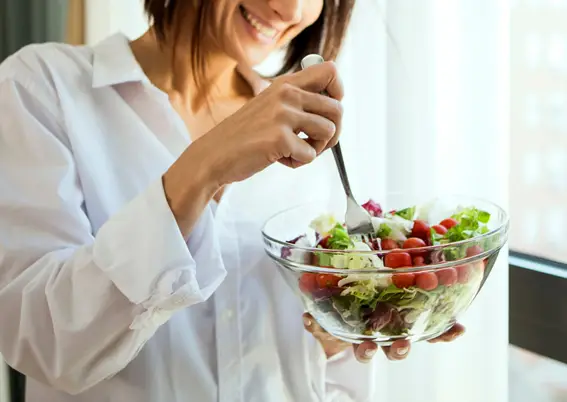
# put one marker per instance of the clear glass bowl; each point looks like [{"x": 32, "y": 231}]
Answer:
[{"x": 414, "y": 303}]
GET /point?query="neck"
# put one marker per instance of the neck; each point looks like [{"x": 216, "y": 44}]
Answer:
[{"x": 170, "y": 68}]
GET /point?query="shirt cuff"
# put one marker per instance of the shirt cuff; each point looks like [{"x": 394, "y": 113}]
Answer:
[{"x": 142, "y": 251}]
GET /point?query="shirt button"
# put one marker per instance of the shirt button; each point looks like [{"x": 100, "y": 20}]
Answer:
[{"x": 228, "y": 314}]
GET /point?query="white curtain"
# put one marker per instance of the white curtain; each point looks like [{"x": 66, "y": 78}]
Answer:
[{"x": 426, "y": 112}]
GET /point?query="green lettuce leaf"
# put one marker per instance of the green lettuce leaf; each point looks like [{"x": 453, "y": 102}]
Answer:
[
  {"x": 471, "y": 223},
  {"x": 339, "y": 238},
  {"x": 407, "y": 213},
  {"x": 384, "y": 231}
]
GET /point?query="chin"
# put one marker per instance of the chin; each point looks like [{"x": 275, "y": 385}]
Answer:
[
  {"x": 253, "y": 60},
  {"x": 249, "y": 56}
]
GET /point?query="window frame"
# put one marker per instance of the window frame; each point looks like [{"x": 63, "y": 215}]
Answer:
[{"x": 538, "y": 305}]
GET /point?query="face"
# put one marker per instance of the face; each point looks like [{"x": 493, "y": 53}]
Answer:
[{"x": 249, "y": 30}]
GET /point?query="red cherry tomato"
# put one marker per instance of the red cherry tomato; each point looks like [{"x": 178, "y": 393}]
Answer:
[
  {"x": 415, "y": 242},
  {"x": 474, "y": 250},
  {"x": 463, "y": 273},
  {"x": 449, "y": 223},
  {"x": 397, "y": 259},
  {"x": 418, "y": 261},
  {"x": 420, "y": 229},
  {"x": 308, "y": 283},
  {"x": 403, "y": 281},
  {"x": 447, "y": 276},
  {"x": 439, "y": 229},
  {"x": 426, "y": 280},
  {"x": 389, "y": 244},
  {"x": 327, "y": 280}
]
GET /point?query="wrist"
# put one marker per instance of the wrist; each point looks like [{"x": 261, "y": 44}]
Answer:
[
  {"x": 211, "y": 161},
  {"x": 189, "y": 185}
]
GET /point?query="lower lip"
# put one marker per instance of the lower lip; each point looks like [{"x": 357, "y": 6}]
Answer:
[{"x": 255, "y": 33}]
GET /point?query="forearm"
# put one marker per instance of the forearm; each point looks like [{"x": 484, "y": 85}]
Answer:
[{"x": 190, "y": 184}]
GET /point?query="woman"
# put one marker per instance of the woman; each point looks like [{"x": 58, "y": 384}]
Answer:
[{"x": 129, "y": 271}]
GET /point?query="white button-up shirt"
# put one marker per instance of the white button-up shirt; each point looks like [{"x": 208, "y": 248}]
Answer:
[{"x": 101, "y": 299}]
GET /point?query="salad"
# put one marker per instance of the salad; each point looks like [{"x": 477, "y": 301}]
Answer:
[{"x": 389, "y": 303}]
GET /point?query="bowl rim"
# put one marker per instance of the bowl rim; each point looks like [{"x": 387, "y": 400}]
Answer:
[
  {"x": 297, "y": 266},
  {"x": 502, "y": 228}
]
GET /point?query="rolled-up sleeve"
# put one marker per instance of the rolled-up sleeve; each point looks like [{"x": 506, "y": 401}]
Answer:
[
  {"x": 75, "y": 307},
  {"x": 126, "y": 241}
]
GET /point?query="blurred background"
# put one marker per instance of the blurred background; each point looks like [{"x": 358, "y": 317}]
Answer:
[{"x": 462, "y": 96}]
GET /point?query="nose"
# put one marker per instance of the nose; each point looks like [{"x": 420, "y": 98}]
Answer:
[{"x": 289, "y": 11}]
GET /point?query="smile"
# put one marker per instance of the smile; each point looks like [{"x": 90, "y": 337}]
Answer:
[{"x": 262, "y": 29}]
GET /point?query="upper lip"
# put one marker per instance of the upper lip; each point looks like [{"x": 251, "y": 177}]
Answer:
[{"x": 262, "y": 20}]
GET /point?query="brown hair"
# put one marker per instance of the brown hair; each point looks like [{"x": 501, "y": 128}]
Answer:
[{"x": 325, "y": 36}]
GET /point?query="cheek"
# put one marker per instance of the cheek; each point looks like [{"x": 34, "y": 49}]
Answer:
[{"x": 312, "y": 9}]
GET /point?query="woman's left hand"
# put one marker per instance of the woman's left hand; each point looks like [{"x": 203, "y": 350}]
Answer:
[{"x": 364, "y": 352}]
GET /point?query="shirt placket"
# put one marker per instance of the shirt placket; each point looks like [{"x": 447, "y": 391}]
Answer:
[{"x": 227, "y": 314}]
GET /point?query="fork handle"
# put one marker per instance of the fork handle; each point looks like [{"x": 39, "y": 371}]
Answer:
[
  {"x": 311, "y": 60},
  {"x": 338, "y": 154}
]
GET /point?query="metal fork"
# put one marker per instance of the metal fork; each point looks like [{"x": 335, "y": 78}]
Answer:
[{"x": 358, "y": 220}]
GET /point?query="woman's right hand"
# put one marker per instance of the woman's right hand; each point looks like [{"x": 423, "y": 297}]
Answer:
[
  {"x": 265, "y": 130},
  {"x": 262, "y": 132}
]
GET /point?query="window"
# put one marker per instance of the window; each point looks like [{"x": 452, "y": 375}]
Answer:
[
  {"x": 538, "y": 206},
  {"x": 539, "y": 128}
]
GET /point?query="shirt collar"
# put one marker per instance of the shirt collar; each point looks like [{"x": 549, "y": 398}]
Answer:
[{"x": 114, "y": 63}]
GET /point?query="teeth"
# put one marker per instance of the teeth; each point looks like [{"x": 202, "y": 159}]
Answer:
[{"x": 264, "y": 30}]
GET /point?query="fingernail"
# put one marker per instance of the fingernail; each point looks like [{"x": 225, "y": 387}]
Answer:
[
  {"x": 307, "y": 322},
  {"x": 369, "y": 353},
  {"x": 402, "y": 351}
]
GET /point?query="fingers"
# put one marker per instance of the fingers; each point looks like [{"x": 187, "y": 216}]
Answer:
[
  {"x": 365, "y": 351},
  {"x": 311, "y": 325},
  {"x": 399, "y": 350},
  {"x": 321, "y": 105},
  {"x": 330, "y": 109},
  {"x": 319, "y": 78},
  {"x": 318, "y": 116},
  {"x": 453, "y": 333},
  {"x": 300, "y": 152},
  {"x": 330, "y": 344},
  {"x": 319, "y": 130}
]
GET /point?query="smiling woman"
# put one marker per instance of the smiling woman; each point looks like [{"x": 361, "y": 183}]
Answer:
[
  {"x": 109, "y": 300},
  {"x": 127, "y": 153},
  {"x": 318, "y": 29}
]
